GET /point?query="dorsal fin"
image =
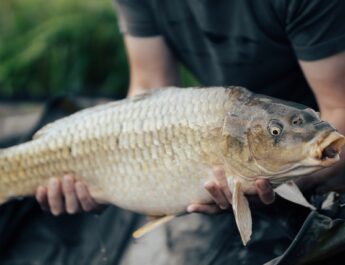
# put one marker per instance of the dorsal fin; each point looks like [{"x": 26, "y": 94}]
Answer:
[
  {"x": 147, "y": 93},
  {"x": 42, "y": 131}
]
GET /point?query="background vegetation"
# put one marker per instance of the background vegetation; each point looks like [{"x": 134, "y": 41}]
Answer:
[{"x": 73, "y": 46}]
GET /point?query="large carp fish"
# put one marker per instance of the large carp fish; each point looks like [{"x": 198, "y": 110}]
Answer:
[{"x": 153, "y": 153}]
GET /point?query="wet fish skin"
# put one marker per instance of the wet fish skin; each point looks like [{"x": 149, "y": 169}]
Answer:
[{"x": 153, "y": 153}]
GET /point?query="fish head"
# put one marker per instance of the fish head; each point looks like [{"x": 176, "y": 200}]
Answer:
[{"x": 282, "y": 139}]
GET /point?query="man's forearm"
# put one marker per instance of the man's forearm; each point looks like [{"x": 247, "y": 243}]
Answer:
[{"x": 152, "y": 65}]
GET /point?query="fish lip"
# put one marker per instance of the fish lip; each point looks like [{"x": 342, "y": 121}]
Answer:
[{"x": 332, "y": 140}]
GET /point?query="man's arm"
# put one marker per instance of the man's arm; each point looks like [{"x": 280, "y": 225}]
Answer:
[
  {"x": 327, "y": 80},
  {"x": 151, "y": 63}
]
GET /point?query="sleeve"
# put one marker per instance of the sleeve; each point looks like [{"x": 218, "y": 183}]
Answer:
[
  {"x": 315, "y": 28},
  {"x": 136, "y": 18}
]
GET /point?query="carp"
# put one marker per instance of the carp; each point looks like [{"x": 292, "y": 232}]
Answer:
[{"x": 153, "y": 153}]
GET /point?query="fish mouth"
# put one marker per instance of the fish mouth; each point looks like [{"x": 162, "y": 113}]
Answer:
[{"x": 329, "y": 148}]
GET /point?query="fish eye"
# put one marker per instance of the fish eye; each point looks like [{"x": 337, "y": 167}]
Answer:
[{"x": 275, "y": 129}]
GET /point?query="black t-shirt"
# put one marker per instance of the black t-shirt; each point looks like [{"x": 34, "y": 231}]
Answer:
[{"x": 250, "y": 43}]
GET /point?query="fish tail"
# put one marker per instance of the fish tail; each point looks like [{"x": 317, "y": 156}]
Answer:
[
  {"x": 2, "y": 173},
  {"x": 6, "y": 173},
  {"x": 14, "y": 181}
]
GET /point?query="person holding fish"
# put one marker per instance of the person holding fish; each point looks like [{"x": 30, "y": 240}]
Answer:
[{"x": 292, "y": 50}]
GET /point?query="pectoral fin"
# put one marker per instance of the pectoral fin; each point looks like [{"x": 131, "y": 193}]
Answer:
[
  {"x": 242, "y": 213},
  {"x": 291, "y": 192},
  {"x": 148, "y": 227}
]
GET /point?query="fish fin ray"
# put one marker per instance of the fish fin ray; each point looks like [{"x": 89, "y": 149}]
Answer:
[
  {"x": 148, "y": 227},
  {"x": 291, "y": 192},
  {"x": 42, "y": 131},
  {"x": 242, "y": 213},
  {"x": 146, "y": 94}
]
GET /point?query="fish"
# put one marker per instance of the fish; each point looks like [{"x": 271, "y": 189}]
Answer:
[{"x": 152, "y": 153}]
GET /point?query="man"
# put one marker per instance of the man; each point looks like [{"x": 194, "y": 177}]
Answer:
[{"x": 287, "y": 49}]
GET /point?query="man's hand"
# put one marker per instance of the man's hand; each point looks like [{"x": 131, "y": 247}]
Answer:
[
  {"x": 222, "y": 197},
  {"x": 65, "y": 195}
]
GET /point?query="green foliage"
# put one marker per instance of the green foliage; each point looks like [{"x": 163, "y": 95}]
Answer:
[
  {"x": 54, "y": 46},
  {"x": 51, "y": 46},
  {"x": 187, "y": 78}
]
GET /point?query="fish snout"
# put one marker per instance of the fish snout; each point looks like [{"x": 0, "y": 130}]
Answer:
[{"x": 328, "y": 148}]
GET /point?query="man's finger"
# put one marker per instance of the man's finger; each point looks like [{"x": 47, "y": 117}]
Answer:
[
  {"x": 265, "y": 191},
  {"x": 55, "y": 198},
  {"x": 219, "y": 174},
  {"x": 42, "y": 197},
  {"x": 84, "y": 196},
  {"x": 204, "y": 208},
  {"x": 217, "y": 194},
  {"x": 71, "y": 200}
]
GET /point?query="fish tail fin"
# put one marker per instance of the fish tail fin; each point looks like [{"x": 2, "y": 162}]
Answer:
[{"x": 242, "y": 212}]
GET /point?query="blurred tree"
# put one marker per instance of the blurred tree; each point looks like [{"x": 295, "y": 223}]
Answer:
[
  {"x": 48, "y": 47},
  {"x": 52, "y": 46}
]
